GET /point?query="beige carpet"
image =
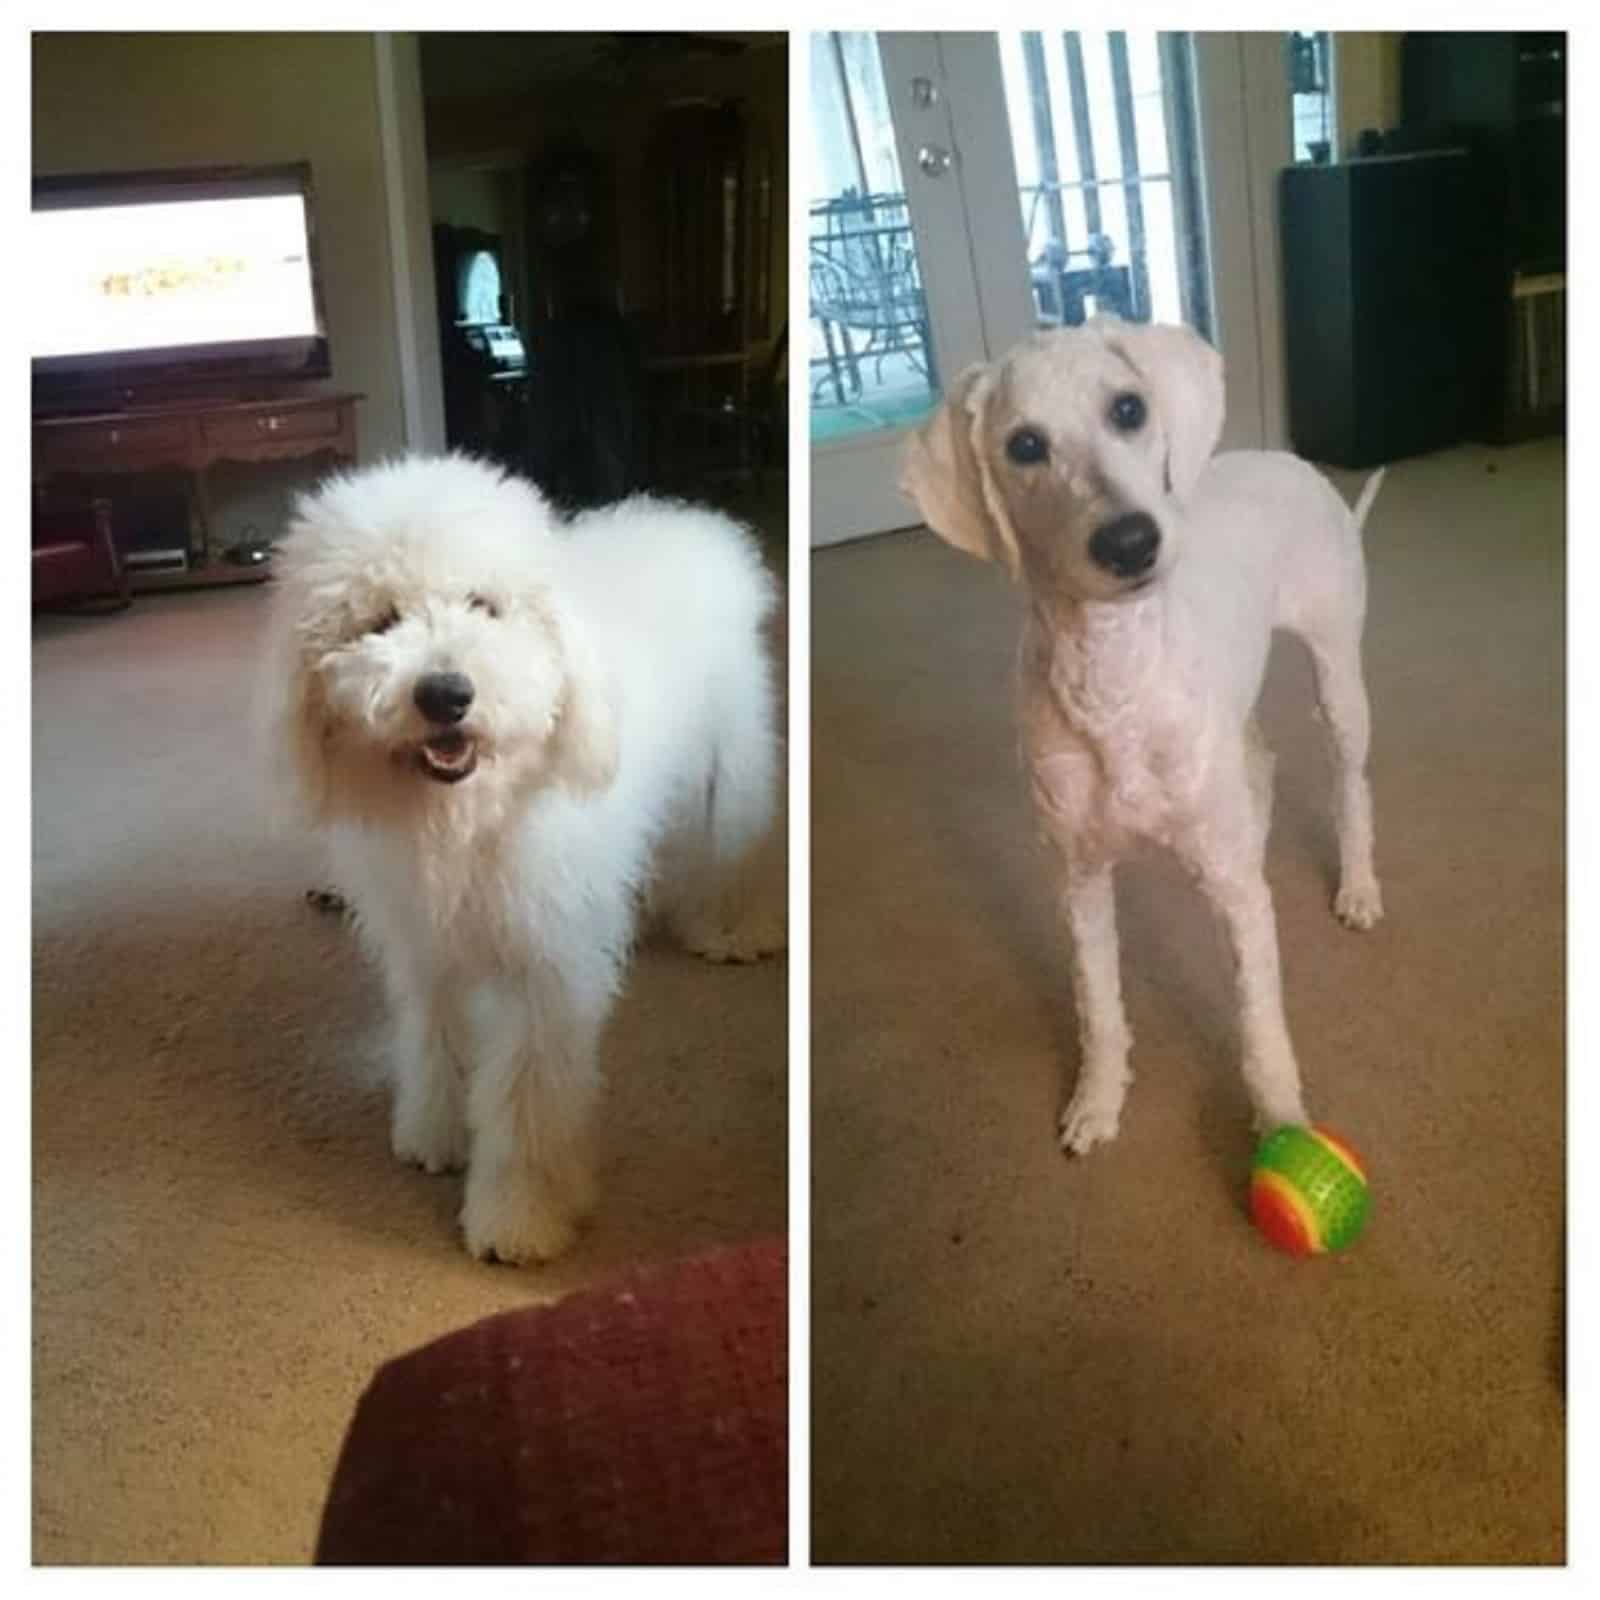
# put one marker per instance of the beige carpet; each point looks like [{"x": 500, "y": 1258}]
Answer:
[
  {"x": 1020, "y": 1359},
  {"x": 223, "y": 1248}
]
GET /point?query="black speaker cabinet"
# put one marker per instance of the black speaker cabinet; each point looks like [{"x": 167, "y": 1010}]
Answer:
[{"x": 1387, "y": 294}]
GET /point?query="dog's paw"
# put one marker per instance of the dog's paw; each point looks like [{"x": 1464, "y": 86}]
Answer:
[
  {"x": 750, "y": 941},
  {"x": 435, "y": 1147},
  {"x": 1091, "y": 1118},
  {"x": 1359, "y": 905},
  {"x": 507, "y": 1223},
  {"x": 433, "y": 1157}
]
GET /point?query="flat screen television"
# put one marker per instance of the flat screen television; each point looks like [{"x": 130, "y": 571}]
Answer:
[{"x": 146, "y": 286}]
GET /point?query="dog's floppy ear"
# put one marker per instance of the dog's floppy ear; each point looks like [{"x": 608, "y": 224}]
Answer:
[
  {"x": 944, "y": 471},
  {"x": 584, "y": 742},
  {"x": 1185, "y": 375}
]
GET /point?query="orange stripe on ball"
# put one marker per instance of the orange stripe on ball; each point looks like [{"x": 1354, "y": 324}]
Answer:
[
  {"x": 1282, "y": 1215},
  {"x": 1343, "y": 1151}
]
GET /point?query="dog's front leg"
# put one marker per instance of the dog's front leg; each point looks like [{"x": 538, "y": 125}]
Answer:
[
  {"x": 1088, "y": 902},
  {"x": 429, "y": 1129},
  {"x": 1238, "y": 891},
  {"x": 534, "y": 1084}
]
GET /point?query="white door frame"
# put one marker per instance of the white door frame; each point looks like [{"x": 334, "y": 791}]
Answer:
[
  {"x": 987, "y": 171},
  {"x": 1242, "y": 103},
  {"x": 397, "y": 61}
]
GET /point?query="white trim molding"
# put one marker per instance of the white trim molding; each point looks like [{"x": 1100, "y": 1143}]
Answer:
[{"x": 404, "y": 159}]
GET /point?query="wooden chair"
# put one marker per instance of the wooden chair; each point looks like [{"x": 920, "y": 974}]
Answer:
[{"x": 709, "y": 232}]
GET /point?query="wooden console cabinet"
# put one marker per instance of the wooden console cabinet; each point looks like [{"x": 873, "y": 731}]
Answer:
[{"x": 192, "y": 436}]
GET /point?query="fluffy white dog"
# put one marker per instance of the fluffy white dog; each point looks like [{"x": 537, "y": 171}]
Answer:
[
  {"x": 515, "y": 731},
  {"x": 1155, "y": 575}
]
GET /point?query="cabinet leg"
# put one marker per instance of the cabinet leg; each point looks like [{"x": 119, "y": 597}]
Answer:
[{"x": 201, "y": 553}]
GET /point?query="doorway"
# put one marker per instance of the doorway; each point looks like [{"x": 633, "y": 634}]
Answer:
[{"x": 608, "y": 222}]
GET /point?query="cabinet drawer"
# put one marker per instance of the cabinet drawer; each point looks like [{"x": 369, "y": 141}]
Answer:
[
  {"x": 252, "y": 430},
  {"x": 108, "y": 446}
]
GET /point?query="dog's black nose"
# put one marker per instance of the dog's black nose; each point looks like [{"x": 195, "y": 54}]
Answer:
[
  {"x": 1127, "y": 545},
  {"x": 443, "y": 696}
]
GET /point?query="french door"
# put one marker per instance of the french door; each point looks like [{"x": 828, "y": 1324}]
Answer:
[{"x": 971, "y": 187}]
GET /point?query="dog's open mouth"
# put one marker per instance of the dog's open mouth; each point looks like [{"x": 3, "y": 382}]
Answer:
[{"x": 448, "y": 756}]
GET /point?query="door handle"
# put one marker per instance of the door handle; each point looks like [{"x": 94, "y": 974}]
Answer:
[{"x": 934, "y": 160}]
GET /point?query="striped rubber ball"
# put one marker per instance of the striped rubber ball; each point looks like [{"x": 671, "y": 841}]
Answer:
[{"x": 1308, "y": 1191}]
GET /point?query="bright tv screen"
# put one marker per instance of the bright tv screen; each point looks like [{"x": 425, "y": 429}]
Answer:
[
  {"x": 156, "y": 277},
  {"x": 152, "y": 273}
]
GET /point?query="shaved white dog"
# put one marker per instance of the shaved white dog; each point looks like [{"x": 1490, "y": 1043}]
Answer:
[
  {"x": 1155, "y": 575},
  {"x": 512, "y": 730}
]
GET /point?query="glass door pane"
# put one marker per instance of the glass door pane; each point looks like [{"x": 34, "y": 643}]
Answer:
[
  {"x": 1311, "y": 96},
  {"x": 872, "y": 365},
  {"x": 1102, "y": 135}
]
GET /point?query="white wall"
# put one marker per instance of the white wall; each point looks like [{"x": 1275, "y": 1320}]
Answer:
[{"x": 1366, "y": 83}]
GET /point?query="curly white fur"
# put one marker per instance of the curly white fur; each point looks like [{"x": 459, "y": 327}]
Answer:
[
  {"x": 619, "y": 744},
  {"x": 1143, "y": 656}
]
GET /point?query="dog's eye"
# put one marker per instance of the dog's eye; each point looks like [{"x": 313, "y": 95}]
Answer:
[
  {"x": 1027, "y": 447},
  {"x": 483, "y": 603},
  {"x": 385, "y": 622},
  {"x": 1128, "y": 412}
]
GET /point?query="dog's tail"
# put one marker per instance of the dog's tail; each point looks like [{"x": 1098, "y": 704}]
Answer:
[{"x": 1369, "y": 493}]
